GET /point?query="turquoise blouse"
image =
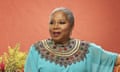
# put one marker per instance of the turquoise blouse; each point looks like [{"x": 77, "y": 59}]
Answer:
[{"x": 97, "y": 60}]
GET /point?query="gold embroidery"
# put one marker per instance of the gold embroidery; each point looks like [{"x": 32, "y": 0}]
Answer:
[
  {"x": 74, "y": 50},
  {"x": 76, "y": 53}
]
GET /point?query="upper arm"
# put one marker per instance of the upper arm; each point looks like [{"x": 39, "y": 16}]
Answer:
[
  {"x": 105, "y": 60},
  {"x": 31, "y": 61}
]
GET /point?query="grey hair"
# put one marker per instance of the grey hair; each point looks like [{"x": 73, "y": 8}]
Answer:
[{"x": 68, "y": 12}]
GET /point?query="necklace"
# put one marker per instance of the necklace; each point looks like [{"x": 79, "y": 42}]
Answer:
[
  {"x": 61, "y": 44},
  {"x": 73, "y": 52},
  {"x": 61, "y": 50}
]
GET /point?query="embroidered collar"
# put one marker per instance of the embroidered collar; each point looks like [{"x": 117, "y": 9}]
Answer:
[{"x": 63, "y": 55}]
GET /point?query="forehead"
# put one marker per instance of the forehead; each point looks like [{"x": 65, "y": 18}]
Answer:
[{"x": 59, "y": 15}]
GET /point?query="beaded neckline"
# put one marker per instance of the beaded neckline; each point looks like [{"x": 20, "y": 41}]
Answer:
[{"x": 63, "y": 55}]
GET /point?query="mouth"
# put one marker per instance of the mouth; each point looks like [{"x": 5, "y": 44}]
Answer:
[{"x": 56, "y": 34}]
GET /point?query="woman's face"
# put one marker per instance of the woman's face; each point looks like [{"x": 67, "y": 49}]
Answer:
[{"x": 59, "y": 27}]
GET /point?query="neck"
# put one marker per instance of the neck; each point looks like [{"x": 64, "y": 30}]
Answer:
[{"x": 64, "y": 42}]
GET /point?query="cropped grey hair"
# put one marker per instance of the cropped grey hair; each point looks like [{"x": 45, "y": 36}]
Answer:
[{"x": 68, "y": 12}]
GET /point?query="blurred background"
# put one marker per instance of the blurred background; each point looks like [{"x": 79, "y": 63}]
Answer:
[{"x": 26, "y": 21}]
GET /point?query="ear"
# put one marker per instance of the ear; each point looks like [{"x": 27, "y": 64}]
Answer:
[
  {"x": 71, "y": 29},
  {"x": 72, "y": 26}
]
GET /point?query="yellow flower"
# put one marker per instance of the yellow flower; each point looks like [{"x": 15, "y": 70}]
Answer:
[
  {"x": 0, "y": 59},
  {"x": 14, "y": 59}
]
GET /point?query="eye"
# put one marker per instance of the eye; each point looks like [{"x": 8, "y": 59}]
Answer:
[
  {"x": 62, "y": 22},
  {"x": 51, "y": 22}
]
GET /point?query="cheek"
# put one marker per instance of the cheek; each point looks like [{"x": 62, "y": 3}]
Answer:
[
  {"x": 66, "y": 27},
  {"x": 50, "y": 28},
  {"x": 66, "y": 30},
  {"x": 50, "y": 31}
]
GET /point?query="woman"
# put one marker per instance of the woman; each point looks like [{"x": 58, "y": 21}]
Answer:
[{"x": 61, "y": 53}]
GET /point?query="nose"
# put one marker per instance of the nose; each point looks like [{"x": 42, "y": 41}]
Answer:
[{"x": 56, "y": 26}]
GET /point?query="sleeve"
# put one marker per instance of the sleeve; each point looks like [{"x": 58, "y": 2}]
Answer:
[
  {"x": 103, "y": 61},
  {"x": 31, "y": 61}
]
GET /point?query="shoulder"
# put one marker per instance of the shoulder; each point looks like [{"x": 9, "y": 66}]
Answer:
[
  {"x": 82, "y": 42},
  {"x": 36, "y": 46},
  {"x": 39, "y": 44},
  {"x": 89, "y": 44},
  {"x": 92, "y": 47},
  {"x": 95, "y": 46},
  {"x": 96, "y": 49}
]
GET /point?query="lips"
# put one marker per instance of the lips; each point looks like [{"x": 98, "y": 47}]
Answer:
[{"x": 56, "y": 34}]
